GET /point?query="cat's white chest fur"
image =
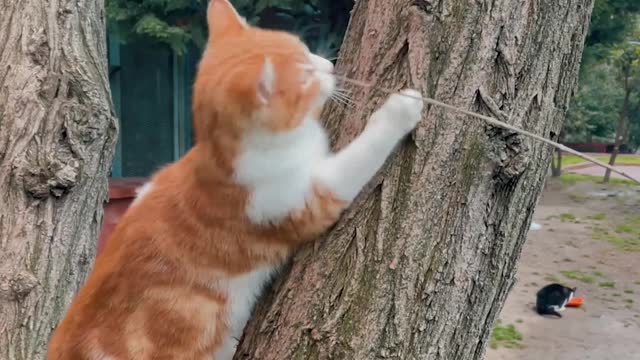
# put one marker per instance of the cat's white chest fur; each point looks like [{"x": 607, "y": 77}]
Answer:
[
  {"x": 242, "y": 293},
  {"x": 278, "y": 169}
]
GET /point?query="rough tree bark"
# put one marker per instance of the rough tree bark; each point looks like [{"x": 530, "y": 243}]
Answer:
[
  {"x": 57, "y": 134},
  {"x": 421, "y": 265}
]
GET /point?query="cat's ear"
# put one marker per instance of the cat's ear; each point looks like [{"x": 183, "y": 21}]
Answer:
[
  {"x": 223, "y": 18},
  {"x": 266, "y": 82}
]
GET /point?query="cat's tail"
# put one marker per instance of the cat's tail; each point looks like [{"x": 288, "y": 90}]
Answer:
[{"x": 548, "y": 311}]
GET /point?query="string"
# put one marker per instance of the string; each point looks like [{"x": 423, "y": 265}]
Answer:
[{"x": 495, "y": 122}]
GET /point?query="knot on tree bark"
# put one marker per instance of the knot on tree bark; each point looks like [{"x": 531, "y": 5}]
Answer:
[
  {"x": 54, "y": 175},
  {"x": 83, "y": 125},
  {"x": 510, "y": 153},
  {"x": 38, "y": 47},
  {"x": 18, "y": 286},
  {"x": 53, "y": 165},
  {"x": 509, "y": 150}
]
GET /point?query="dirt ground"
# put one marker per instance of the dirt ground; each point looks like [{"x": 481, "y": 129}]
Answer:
[{"x": 581, "y": 243}]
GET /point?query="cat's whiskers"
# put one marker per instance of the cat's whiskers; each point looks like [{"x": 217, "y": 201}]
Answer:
[
  {"x": 340, "y": 101},
  {"x": 489, "y": 120},
  {"x": 342, "y": 96}
]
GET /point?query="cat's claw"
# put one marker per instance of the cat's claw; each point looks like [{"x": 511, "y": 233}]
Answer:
[{"x": 404, "y": 110}]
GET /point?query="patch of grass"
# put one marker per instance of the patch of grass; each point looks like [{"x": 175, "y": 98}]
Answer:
[
  {"x": 598, "y": 274},
  {"x": 630, "y": 245},
  {"x": 568, "y": 160},
  {"x": 616, "y": 294},
  {"x": 599, "y": 216},
  {"x": 506, "y": 336},
  {"x": 628, "y": 291},
  {"x": 637, "y": 282},
  {"x": 572, "y": 179},
  {"x": 579, "y": 275},
  {"x": 629, "y": 301},
  {"x": 579, "y": 198},
  {"x": 608, "y": 284},
  {"x": 567, "y": 260},
  {"x": 628, "y": 228},
  {"x": 552, "y": 278},
  {"x": 623, "y": 241},
  {"x": 567, "y": 217},
  {"x": 519, "y": 321}
]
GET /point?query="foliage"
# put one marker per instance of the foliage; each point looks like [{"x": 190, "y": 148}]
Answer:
[
  {"x": 594, "y": 109},
  {"x": 179, "y": 23},
  {"x": 173, "y": 22},
  {"x": 610, "y": 58},
  {"x": 611, "y": 21}
]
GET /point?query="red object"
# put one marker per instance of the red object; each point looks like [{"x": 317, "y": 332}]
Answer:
[
  {"x": 589, "y": 147},
  {"x": 575, "y": 302},
  {"x": 122, "y": 191}
]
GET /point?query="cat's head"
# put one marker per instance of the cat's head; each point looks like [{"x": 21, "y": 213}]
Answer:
[
  {"x": 570, "y": 292},
  {"x": 255, "y": 78}
]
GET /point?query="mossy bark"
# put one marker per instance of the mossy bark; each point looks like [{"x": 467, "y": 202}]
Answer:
[
  {"x": 57, "y": 134},
  {"x": 420, "y": 266}
]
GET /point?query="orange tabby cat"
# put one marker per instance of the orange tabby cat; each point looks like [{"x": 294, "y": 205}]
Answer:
[{"x": 181, "y": 272}]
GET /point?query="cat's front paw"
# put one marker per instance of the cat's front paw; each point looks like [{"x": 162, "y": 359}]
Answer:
[{"x": 403, "y": 110}]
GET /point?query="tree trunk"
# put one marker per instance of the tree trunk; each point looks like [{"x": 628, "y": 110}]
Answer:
[
  {"x": 420, "y": 266},
  {"x": 556, "y": 163},
  {"x": 57, "y": 134},
  {"x": 620, "y": 129}
]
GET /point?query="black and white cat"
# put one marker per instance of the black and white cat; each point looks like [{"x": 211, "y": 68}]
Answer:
[{"x": 553, "y": 298}]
